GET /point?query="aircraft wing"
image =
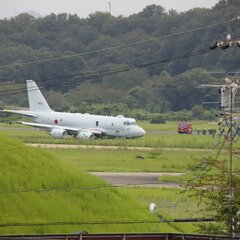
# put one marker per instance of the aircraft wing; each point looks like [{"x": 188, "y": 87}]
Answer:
[{"x": 70, "y": 130}]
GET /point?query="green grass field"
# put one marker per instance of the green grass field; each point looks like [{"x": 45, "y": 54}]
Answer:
[
  {"x": 126, "y": 160},
  {"x": 152, "y": 140},
  {"x": 26, "y": 168}
]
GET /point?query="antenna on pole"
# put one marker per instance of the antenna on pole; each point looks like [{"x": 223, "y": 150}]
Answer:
[{"x": 110, "y": 7}]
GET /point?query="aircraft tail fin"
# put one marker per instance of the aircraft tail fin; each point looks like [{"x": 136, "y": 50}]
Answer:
[{"x": 36, "y": 100}]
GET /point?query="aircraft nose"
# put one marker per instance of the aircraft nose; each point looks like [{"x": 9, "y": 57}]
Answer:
[{"x": 141, "y": 132}]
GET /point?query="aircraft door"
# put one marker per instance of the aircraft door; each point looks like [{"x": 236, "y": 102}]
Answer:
[{"x": 127, "y": 128}]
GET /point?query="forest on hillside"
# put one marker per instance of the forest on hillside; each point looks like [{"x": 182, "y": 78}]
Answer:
[{"x": 150, "y": 61}]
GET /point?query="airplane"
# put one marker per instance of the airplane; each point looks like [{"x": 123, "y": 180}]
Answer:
[{"x": 81, "y": 126}]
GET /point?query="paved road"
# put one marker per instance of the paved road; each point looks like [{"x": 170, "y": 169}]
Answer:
[{"x": 139, "y": 179}]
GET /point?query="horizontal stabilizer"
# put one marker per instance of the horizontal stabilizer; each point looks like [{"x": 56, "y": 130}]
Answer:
[{"x": 20, "y": 112}]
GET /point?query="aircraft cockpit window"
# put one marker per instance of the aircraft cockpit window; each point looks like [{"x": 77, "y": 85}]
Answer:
[{"x": 126, "y": 123}]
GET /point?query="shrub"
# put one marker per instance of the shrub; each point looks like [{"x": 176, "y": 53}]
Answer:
[{"x": 158, "y": 119}]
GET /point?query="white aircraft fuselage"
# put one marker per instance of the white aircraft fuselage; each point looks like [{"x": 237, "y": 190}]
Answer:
[{"x": 108, "y": 126}]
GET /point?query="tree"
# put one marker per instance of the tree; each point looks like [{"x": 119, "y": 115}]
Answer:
[
  {"x": 210, "y": 183},
  {"x": 153, "y": 11},
  {"x": 149, "y": 43},
  {"x": 197, "y": 111},
  {"x": 98, "y": 19}
]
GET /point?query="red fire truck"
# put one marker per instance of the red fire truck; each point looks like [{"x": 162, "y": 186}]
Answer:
[{"x": 185, "y": 127}]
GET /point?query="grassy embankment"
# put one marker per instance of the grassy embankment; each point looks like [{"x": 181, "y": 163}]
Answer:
[{"x": 24, "y": 169}]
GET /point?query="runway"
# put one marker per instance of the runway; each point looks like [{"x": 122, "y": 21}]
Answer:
[{"x": 140, "y": 179}]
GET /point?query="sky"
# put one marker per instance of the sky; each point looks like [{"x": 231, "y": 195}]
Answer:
[{"x": 10, "y": 8}]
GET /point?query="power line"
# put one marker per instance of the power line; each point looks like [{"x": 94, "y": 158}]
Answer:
[
  {"x": 101, "y": 73},
  {"x": 117, "y": 222},
  {"x": 119, "y": 46},
  {"x": 60, "y": 189}
]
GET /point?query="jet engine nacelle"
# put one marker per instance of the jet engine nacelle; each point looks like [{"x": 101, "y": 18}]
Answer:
[
  {"x": 58, "y": 133},
  {"x": 85, "y": 135}
]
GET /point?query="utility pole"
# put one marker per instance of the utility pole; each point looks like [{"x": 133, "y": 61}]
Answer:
[
  {"x": 230, "y": 164},
  {"x": 227, "y": 95},
  {"x": 228, "y": 92}
]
